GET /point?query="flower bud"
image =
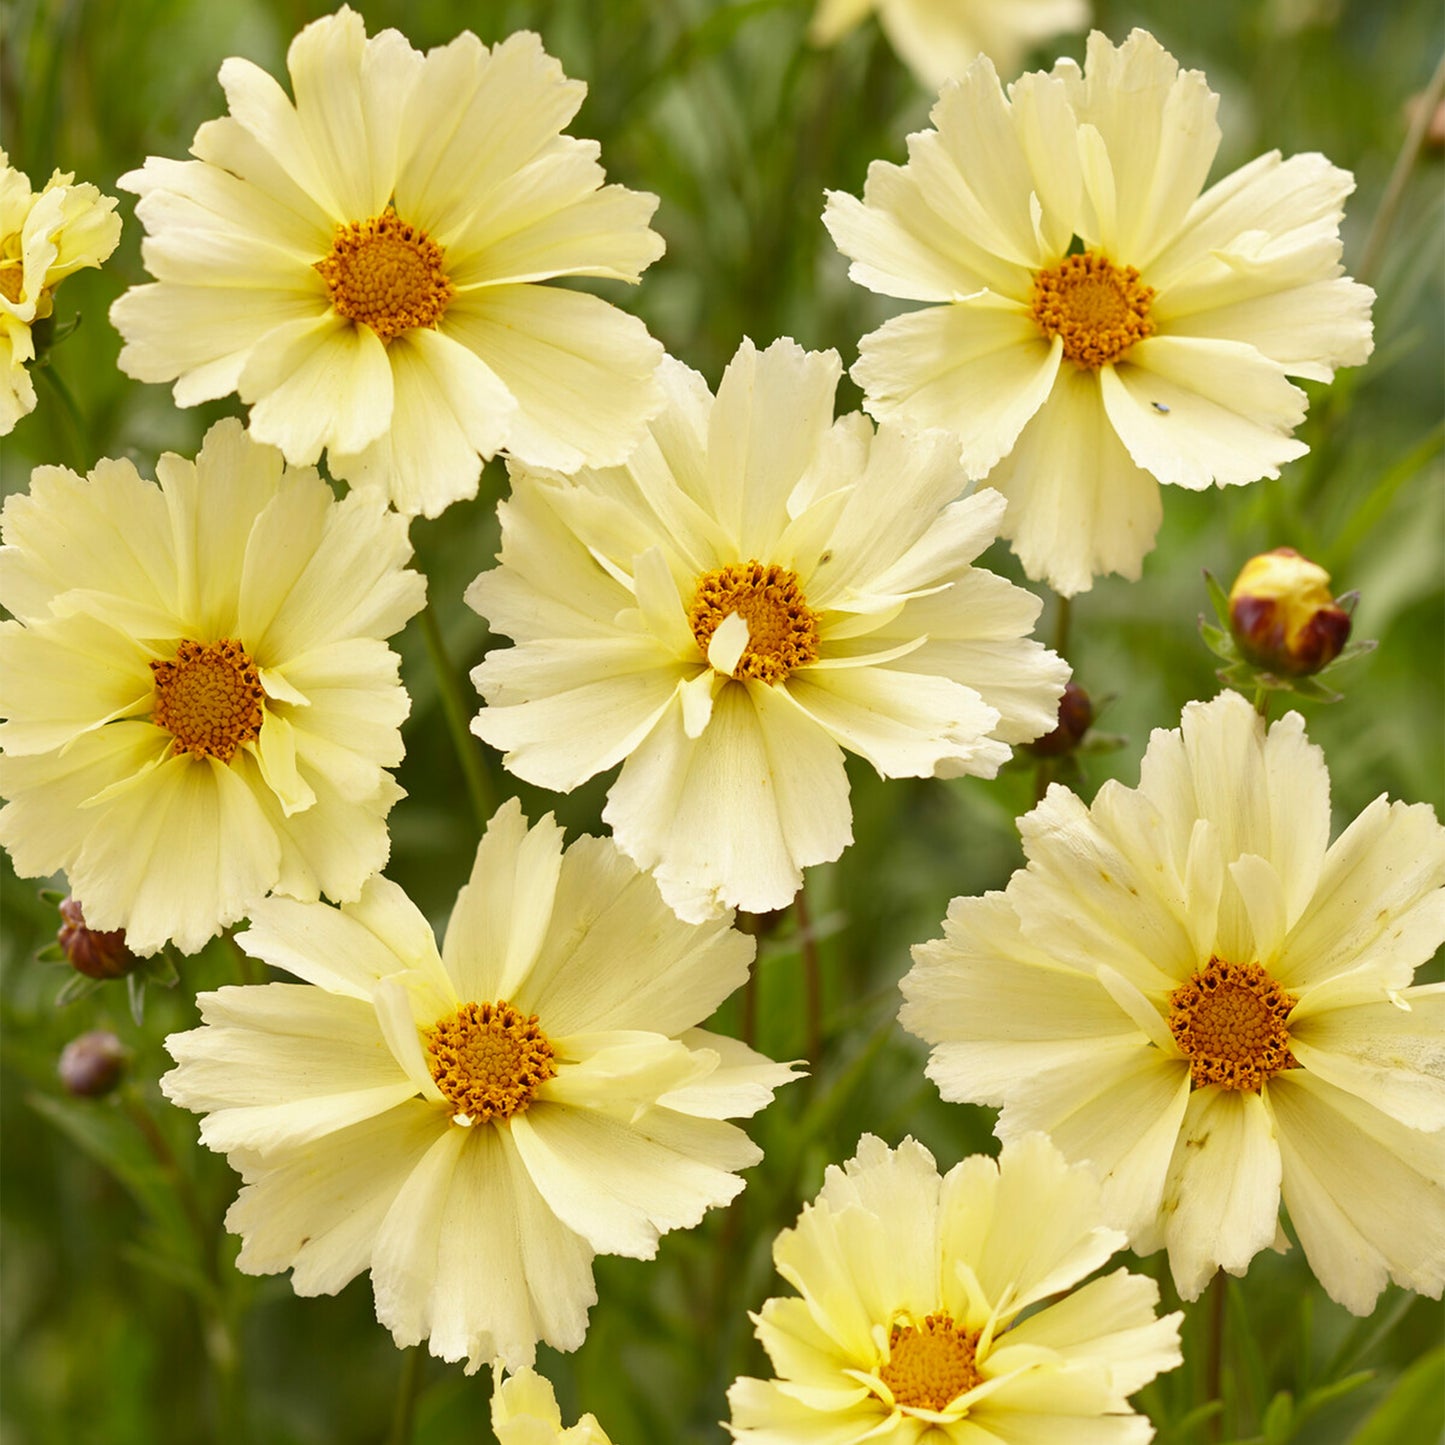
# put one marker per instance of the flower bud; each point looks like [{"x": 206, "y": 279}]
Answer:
[
  {"x": 92, "y": 1064},
  {"x": 1076, "y": 714},
  {"x": 1282, "y": 615},
  {"x": 97, "y": 955}
]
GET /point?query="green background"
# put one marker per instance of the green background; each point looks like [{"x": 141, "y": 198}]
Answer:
[{"x": 122, "y": 1318}]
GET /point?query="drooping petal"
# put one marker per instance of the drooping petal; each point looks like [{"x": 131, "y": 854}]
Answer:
[
  {"x": 1078, "y": 505},
  {"x": 470, "y": 1257},
  {"x": 1221, "y": 1199},
  {"x": 1366, "y": 1195}
]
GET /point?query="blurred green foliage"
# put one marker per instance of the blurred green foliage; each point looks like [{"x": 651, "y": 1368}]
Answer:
[{"x": 123, "y": 1319}]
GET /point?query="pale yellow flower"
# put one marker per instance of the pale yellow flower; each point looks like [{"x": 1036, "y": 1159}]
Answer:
[
  {"x": 756, "y": 590},
  {"x": 1192, "y": 988},
  {"x": 45, "y": 236},
  {"x": 200, "y": 705},
  {"x": 939, "y": 39},
  {"x": 473, "y": 1125},
  {"x": 361, "y": 265},
  {"x": 930, "y": 1309},
  {"x": 1097, "y": 326},
  {"x": 525, "y": 1412}
]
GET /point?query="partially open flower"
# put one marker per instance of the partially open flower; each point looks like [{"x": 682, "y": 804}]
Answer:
[
  {"x": 1283, "y": 616},
  {"x": 88, "y": 951}
]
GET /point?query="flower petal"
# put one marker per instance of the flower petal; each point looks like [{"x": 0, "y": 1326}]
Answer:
[
  {"x": 1221, "y": 1199},
  {"x": 1193, "y": 412},
  {"x": 317, "y": 1210},
  {"x": 979, "y": 370},
  {"x": 1365, "y": 1194},
  {"x": 582, "y": 372},
  {"x": 1078, "y": 507},
  {"x": 451, "y": 413}
]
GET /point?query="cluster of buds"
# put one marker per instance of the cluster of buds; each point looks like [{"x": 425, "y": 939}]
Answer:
[{"x": 1280, "y": 627}]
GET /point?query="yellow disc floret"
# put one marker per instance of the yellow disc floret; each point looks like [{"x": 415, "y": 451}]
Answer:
[
  {"x": 209, "y": 698},
  {"x": 1230, "y": 1022},
  {"x": 932, "y": 1364},
  {"x": 1099, "y": 309},
  {"x": 488, "y": 1059},
  {"x": 782, "y": 628},
  {"x": 386, "y": 275}
]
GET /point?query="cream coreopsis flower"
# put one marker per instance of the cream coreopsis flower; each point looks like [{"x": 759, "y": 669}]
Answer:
[
  {"x": 472, "y": 1126},
  {"x": 1192, "y": 988},
  {"x": 45, "y": 236},
  {"x": 755, "y": 590},
  {"x": 1099, "y": 326},
  {"x": 200, "y": 705},
  {"x": 525, "y": 1412},
  {"x": 361, "y": 265},
  {"x": 912, "y": 1324},
  {"x": 938, "y": 39}
]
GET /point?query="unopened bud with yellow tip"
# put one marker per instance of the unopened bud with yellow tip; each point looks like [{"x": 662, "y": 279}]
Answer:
[{"x": 1282, "y": 615}]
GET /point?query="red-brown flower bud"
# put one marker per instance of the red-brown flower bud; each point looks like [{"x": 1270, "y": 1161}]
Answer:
[
  {"x": 97, "y": 955},
  {"x": 92, "y": 1065},
  {"x": 1076, "y": 714},
  {"x": 1282, "y": 615}
]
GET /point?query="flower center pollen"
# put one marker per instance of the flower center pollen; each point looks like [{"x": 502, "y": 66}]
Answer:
[
  {"x": 209, "y": 699},
  {"x": 387, "y": 275},
  {"x": 932, "y": 1364},
  {"x": 1099, "y": 309},
  {"x": 782, "y": 628},
  {"x": 489, "y": 1059},
  {"x": 1229, "y": 1019},
  {"x": 12, "y": 279}
]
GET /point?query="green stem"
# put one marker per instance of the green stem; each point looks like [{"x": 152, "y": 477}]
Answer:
[
  {"x": 1063, "y": 615},
  {"x": 217, "y": 1332},
  {"x": 72, "y": 412},
  {"x": 1400, "y": 176},
  {"x": 408, "y": 1391},
  {"x": 467, "y": 748},
  {"x": 1261, "y": 700},
  {"x": 812, "y": 976},
  {"x": 1214, "y": 1360}
]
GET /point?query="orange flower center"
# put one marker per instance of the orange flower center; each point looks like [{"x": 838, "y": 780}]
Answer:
[
  {"x": 1099, "y": 309},
  {"x": 387, "y": 275},
  {"x": 1229, "y": 1019},
  {"x": 209, "y": 698},
  {"x": 932, "y": 1364},
  {"x": 488, "y": 1059},
  {"x": 782, "y": 628},
  {"x": 12, "y": 279}
]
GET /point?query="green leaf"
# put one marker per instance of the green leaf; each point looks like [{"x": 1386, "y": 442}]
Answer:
[
  {"x": 1278, "y": 1422},
  {"x": 1413, "y": 1413}
]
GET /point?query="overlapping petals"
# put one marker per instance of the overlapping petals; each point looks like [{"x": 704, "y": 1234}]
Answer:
[
  {"x": 411, "y": 358},
  {"x": 112, "y": 577},
  {"x": 1060, "y": 1000},
  {"x": 1074, "y": 388},
  {"x": 45, "y": 236},
  {"x": 871, "y": 633},
  {"x": 478, "y": 1229},
  {"x": 914, "y": 1318}
]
